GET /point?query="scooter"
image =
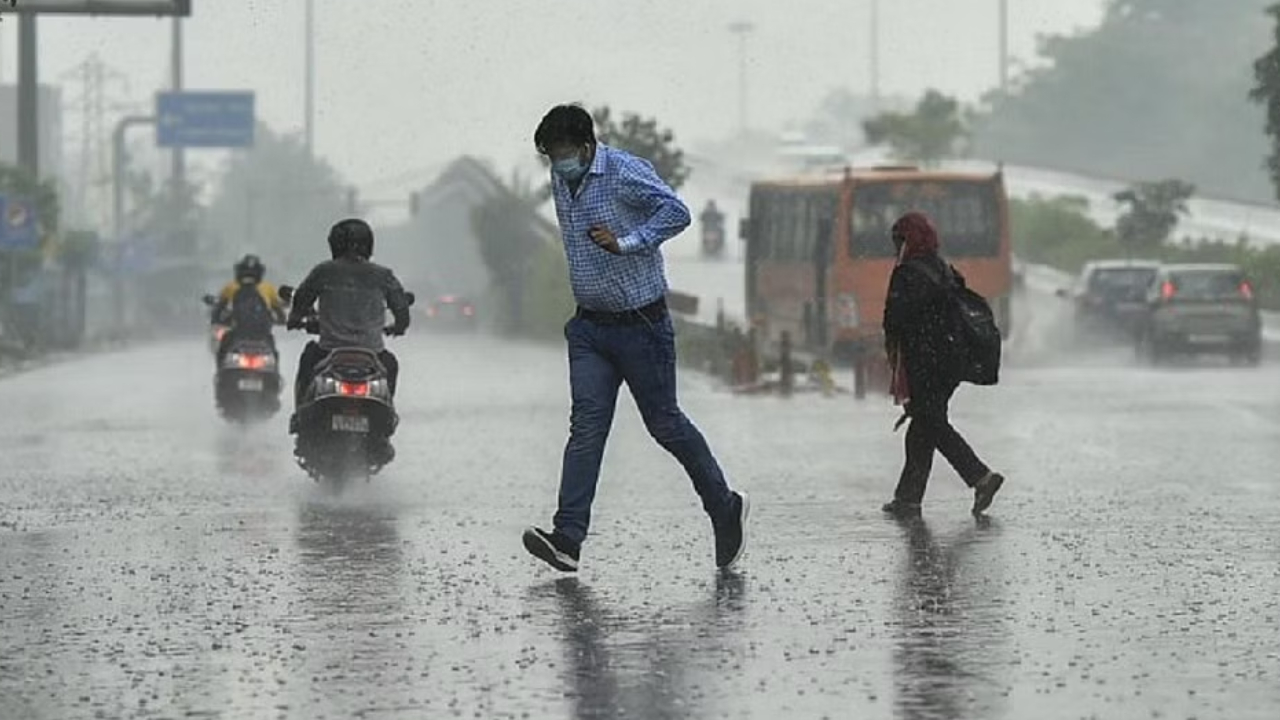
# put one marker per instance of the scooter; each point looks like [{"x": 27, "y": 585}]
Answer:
[
  {"x": 346, "y": 416},
  {"x": 247, "y": 381}
]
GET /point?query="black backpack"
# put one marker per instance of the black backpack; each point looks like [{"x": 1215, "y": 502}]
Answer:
[
  {"x": 973, "y": 336},
  {"x": 250, "y": 314}
]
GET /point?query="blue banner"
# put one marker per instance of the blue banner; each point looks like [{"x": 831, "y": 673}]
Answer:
[{"x": 18, "y": 226}]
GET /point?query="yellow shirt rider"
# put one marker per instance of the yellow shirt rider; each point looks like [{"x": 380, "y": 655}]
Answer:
[{"x": 247, "y": 322}]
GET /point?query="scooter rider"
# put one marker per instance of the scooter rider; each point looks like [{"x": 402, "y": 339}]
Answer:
[
  {"x": 249, "y": 304},
  {"x": 354, "y": 294}
]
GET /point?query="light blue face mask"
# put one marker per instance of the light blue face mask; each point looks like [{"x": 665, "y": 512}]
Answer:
[{"x": 570, "y": 169}]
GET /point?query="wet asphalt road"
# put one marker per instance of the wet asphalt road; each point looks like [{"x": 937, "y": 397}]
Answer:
[{"x": 157, "y": 563}]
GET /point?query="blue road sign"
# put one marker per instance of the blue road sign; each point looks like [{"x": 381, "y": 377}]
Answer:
[
  {"x": 18, "y": 224},
  {"x": 204, "y": 119}
]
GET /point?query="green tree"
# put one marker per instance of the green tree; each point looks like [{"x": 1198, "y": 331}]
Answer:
[
  {"x": 1158, "y": 89},
  {"x": 927, "y": 135},
  {"x": 1266, "y": 91},
  {"x": 1152, "y": 212},
  {"x": 506, "y": 227},
  {"x": 642, "y": 137},
  {"x": 169, "y": 213},
  {"x": 278, "y": 201}
]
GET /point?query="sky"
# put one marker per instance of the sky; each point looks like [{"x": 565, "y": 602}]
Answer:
[{"x": 404, "y": 86}]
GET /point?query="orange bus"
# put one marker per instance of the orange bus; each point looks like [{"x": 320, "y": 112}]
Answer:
[{"x": 819, "y": 256}]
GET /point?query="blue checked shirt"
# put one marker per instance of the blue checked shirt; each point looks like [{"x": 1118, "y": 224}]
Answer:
[{"x": 623, "y": 193}]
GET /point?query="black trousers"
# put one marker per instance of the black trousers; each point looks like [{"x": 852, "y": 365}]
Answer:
[
  {"x": 931, "y": 430},
  {"x": 312, "y": 354}
]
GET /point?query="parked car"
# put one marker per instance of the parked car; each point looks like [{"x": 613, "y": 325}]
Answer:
[
  {"x": 1195, "y": 309},
  {"x": 451, "y": 312},
  {"x": 1110, "y": 295}
]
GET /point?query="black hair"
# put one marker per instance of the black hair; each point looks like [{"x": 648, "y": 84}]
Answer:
[{"x": 565, "y": 124}]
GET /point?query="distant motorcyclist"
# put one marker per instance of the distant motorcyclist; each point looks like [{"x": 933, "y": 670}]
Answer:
[
  {"x": 712, "y": 222},
  {"x": 711, "y": 215},
  {"x": 248, "y": 305},
  {"x": 354, "y": 295}
]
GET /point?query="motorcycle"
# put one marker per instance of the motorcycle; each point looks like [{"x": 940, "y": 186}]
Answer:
[
  {"x": 346, "y": 416},
  {"x": 247, "y": 381}
]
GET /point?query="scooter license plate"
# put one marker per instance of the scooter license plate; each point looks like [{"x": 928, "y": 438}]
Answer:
[
  {"x": 251, "y": 384},
  {"x": 351, "y": 423}
]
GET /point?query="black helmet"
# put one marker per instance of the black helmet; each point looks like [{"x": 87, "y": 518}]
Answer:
[
  {"x": 351, "y": 237},
  {"x": 250, "y": 266}
]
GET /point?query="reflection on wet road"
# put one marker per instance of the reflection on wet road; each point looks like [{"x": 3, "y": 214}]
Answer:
[
  {"x": 947, "y": 657},
  {"x": 156, "y": 563}
]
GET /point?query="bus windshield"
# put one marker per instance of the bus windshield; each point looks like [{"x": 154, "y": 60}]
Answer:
[{"x": 966, "y": 214}]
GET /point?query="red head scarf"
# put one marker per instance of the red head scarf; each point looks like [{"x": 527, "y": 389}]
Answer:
[{"x": 915, "y": 236}]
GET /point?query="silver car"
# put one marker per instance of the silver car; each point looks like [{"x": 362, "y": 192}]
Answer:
[
  {"x": 1109, "y": 295},
  {"x": 1195, "y": 309}
]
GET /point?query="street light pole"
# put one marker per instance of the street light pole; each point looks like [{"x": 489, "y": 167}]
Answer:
[
  {"x": 742, "y": 29},
  {"x": 28, "y": 96},
  {"x": 310, "y": 90},
  {"x": 874, "y": 50}
]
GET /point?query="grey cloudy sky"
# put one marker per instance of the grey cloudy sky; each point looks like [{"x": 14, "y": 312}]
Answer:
[{"x": 408, "y": 84}]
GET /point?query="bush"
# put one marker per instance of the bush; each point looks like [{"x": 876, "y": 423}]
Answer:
[{"x": 1058, "y": 232}]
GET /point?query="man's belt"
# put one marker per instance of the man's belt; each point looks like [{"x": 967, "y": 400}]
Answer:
[{"x": 651, "y": 313}]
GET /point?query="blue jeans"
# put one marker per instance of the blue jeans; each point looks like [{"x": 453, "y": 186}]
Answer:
[{"x": 601, "y": 358}]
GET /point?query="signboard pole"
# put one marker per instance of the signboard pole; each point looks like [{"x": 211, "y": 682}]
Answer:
[
  {"x": 179, "y": 172},
  {"x": 28, "y": 97}
]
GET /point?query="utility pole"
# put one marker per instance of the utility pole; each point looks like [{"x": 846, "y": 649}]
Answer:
[
  {"x": 1004, "y": 47},
  {"x": 874, "y": 49},
  {"x": 742, "y": 29},
  {"x": 93, "y": 78},
  {"x": 309, "y": 103}
]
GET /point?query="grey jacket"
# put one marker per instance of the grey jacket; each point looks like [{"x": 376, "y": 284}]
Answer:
[{"x": 354, "y": 296}]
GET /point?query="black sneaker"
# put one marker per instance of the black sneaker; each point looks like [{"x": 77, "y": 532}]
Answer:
[
  {"x": 731, "y": 534},
  {"x": 552, "y": 548},
  {"x": 985, "y": 491},
  {"x": 901, "y": 508}
]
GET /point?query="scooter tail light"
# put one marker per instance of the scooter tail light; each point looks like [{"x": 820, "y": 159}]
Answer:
[{"x": 351, "y": 389}]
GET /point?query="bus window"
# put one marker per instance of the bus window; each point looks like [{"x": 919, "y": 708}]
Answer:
[
  {"x": 769, "y": 227},
  {"x": 966, "y": 214},
  {"x": 801, "y": 235}
]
